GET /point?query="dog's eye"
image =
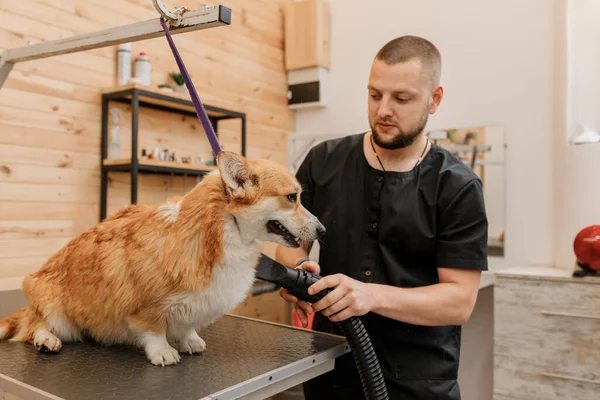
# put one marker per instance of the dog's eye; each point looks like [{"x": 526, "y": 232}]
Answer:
[{"x": 292, "y": 197}]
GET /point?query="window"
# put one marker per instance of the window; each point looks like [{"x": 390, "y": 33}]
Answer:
[{"x": 583, "y": 71}]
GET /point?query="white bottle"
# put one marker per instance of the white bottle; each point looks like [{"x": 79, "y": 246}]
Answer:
[
  {"x": 124, "y": 64},
  {"x": 143, "y": 69}
]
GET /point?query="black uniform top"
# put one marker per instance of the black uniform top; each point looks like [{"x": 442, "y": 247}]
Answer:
[{"x": 395, "y": 228}]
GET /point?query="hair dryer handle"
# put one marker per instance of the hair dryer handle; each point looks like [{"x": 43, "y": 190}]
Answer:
[{"x": 305, "y": 280}]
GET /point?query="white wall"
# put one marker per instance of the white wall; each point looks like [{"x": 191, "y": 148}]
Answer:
[
  {"x": 577, "y": 168},
  {"x": 497, "y": 69}
]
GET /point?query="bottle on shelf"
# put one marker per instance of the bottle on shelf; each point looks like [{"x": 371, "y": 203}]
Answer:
[
  {"x": 143, "y": 69},
  {"x": 124, "y": 64}
]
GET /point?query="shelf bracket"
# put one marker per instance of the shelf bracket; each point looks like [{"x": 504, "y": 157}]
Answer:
[{"x": 184, "y": 21}]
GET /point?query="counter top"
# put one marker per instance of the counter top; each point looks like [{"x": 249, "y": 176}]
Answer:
[
  {"x": 487, "y": 279},
  {"x": 547, "y": 272}
]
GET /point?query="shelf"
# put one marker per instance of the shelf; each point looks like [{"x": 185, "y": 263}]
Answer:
[
  {"x": 154, "y": 97},
  {"x": 138, "y": 96},
  {"x": 157, "y": 166}
]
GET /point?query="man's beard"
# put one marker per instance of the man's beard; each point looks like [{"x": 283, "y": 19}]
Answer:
[{"x": 402, "y": 139}]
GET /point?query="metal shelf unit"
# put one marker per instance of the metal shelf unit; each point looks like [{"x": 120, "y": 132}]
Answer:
[{"x": 140, "y": 96}]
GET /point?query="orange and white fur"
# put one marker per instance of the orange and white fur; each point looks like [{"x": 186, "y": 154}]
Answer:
[{"x": 152, "y": 275}]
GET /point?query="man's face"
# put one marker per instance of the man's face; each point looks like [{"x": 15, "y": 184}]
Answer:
[{"x": 400, "y": 100}]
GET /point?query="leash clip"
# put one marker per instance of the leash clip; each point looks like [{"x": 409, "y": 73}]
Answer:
[{"x": 169, "y": 16}]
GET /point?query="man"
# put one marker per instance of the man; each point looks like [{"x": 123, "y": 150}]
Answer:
[{"x": 406, "y": 235}]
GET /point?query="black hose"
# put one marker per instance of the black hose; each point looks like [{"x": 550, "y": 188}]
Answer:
[
  {"x": 365, "y": 358},
  {"x": 297, "y": 282}
]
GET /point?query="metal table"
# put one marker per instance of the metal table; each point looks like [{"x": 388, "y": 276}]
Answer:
[{"x": 245, "y": 358}]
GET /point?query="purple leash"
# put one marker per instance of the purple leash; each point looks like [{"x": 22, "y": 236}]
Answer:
[{"x": 200, "y": 111}]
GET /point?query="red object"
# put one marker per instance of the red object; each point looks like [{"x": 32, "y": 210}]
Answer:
[
  {"x": 587, "y": 247},
  {"x": 297, "y": 323}
]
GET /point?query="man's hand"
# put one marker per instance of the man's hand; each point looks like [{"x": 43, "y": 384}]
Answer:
[
  {"x": 349, "y": 298},
  {"x": 303, "y": 309}
]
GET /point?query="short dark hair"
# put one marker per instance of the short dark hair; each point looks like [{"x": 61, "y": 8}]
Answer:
[{"x": 405, "y": 48}]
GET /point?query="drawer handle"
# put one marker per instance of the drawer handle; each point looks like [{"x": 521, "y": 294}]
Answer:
[
  {"x": 570, "y": 378},
  {"x": 574, "y": 315}
]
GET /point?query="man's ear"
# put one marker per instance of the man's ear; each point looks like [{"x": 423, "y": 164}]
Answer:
[
  {"x": 436, "y": 99},
  {"x": 236, "y": 173}
]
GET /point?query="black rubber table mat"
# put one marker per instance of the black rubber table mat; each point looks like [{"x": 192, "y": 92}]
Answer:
[{"x": 238, "y": 350}]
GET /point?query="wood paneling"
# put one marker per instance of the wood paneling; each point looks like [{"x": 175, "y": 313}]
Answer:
[{"x": 50, "y": 114}]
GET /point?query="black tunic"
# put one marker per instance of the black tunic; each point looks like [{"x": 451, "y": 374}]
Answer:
[{"x": 395, "y": 228}]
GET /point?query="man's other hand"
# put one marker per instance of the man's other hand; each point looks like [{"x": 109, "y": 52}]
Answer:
[
  {"x": 303, "y": 309},
  {"x": 349, "y": 298}
]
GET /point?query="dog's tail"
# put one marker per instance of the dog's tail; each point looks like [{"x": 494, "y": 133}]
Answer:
[{"x": 10, "y": 326}]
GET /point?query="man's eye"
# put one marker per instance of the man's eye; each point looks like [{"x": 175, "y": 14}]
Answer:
[{"x": 292, "y": 197}]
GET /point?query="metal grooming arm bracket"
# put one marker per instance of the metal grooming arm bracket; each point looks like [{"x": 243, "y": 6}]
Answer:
[{"x": 180, "y": 20}]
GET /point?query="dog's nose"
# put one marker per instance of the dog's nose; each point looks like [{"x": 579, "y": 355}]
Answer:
[{"x": 321, "y": 230}]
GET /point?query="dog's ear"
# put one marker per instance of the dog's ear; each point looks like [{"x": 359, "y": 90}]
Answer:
[{"x": 236, "y": 173}]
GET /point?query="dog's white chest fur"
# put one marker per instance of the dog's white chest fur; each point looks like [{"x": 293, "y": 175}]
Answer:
[{"x": 229, "y": 285}]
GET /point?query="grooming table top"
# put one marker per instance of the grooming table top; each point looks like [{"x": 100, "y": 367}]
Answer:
[{"x": 244, "y": 357}]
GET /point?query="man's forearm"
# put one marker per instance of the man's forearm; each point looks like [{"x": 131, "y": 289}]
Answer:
[{"x": 435, "y": 305}]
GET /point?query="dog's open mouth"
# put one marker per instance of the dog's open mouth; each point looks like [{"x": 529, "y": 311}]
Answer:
[{"x": 277, "y": 228}]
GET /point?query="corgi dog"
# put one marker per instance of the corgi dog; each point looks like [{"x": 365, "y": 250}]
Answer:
[{"x": 152, "y": 276}]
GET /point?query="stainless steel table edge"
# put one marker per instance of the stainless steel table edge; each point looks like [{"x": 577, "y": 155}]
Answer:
[
  {"x": 282, "y": 378},
  {"x": 23, "y": 390},
  {"x": 284, "y": 325}
]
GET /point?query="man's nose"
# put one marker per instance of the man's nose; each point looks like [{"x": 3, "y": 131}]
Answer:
[{"x": 384, "y": 109}]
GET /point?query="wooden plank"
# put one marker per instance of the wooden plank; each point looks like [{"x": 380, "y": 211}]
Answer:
[
  {"x": 51, "y": 193},
  {"x": 35, "y": 83},
  {"x": 17, "y": 266},
  {"x": 24, "y": 173},
  {"x": 69, "y": 20},
  {"x": 45, "y": 103},
  {"x": 22, "y": 229},
  {"x": 78, "y": 124},
  {"x": 37, "y": 247},
  {"x": 65, "y": 5},
  {"x": 41, "y": 211},
  {"x": 120, "y": 190},
  {"x": 27, "y": 137},
  {"x": 48, "y": 157},
  {"x": 58, "y": 68},
  {"x": 38, "y": 84}
]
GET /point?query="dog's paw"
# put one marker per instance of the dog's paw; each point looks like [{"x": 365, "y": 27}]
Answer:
[
  {"x": 164, "y": 356},
  {"x": 192, "y": 344},
  {"x": 46, "y": 342}
]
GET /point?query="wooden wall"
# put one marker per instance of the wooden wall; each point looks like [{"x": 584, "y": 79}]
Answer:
[{"x": 50, "y": 112}]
